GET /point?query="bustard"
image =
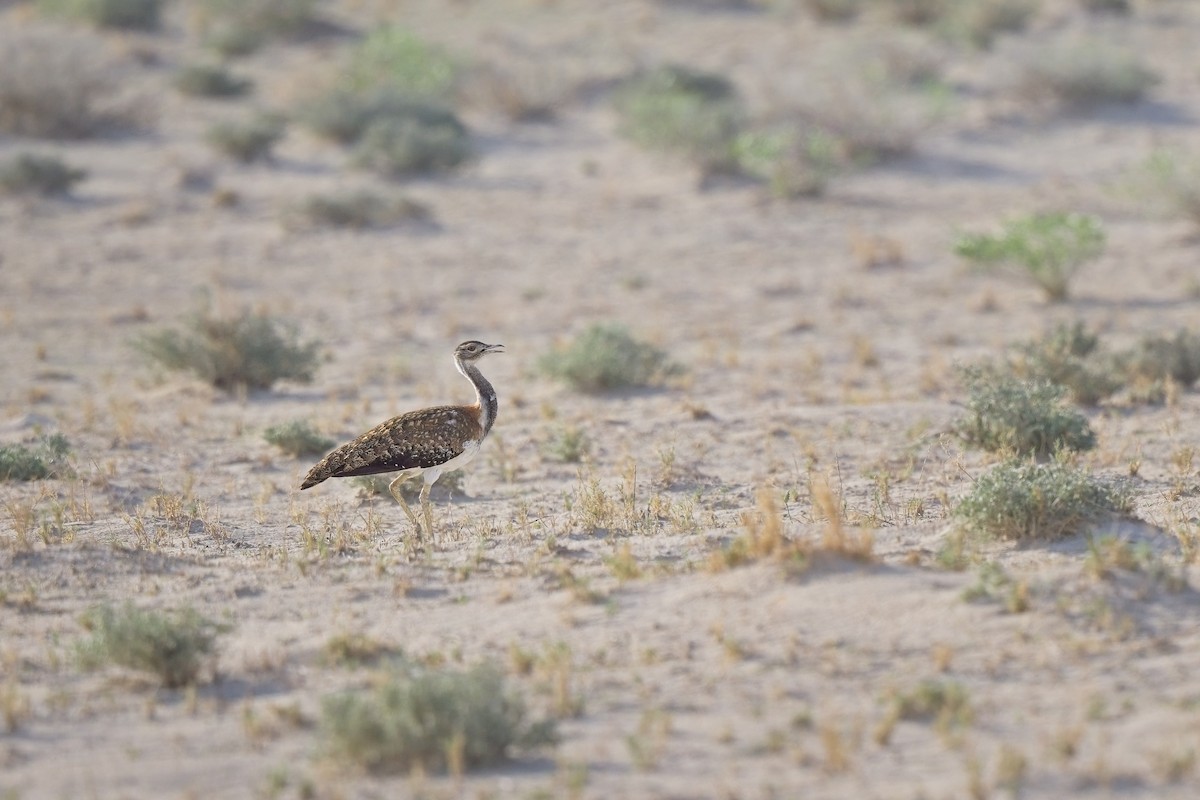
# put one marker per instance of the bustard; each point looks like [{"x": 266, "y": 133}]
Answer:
[{"x": 427, "y": 442}]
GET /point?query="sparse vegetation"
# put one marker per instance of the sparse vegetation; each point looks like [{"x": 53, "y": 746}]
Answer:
[
  {"x": 980, "y": 22},
  {"x": 1083, "y": 74},
  {"x": 210, "y": 80},
  {"x": 355, "y": 650},
  {"x": 1009, "y": 415},
  {"x": 1048, "y": 249},
  {"x": 297, "y": 438},
  {"x": 1170, "y": 178},
  {"x": 431, "y": 720},
  {"x": 174, "y": 646},
  {"x": 568, "y": 443},
  {"x": 130, "y": 14},
  {"x": 238, "y": 27},
  {"x": 1069, "y": 356},
  {"x": 371, "y": 485},
  {"x": 681, "y": 110},
  {"x": 31, "y": 174},
  {"x": 359, "y": 210},
  {"x": 247, "y": 140},
  {"x": 945, "y": 703},
  {"x": 396, "y": 146},
  {"x": 1027, "y": 501},
  {"x": 1160, "y": 358},
  {"x": 64, "y": 85},
  {"x": 46, "y": 459},
  {"x": 250, "y": 350},
  {"x": 394, "y": 58},
  {"x": 604, "y": 357}
]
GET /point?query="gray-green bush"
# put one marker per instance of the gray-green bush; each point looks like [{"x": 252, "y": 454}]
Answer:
[
  {"x": 32, "y": 174},
  {"x": 432, "y": 720},
  {"x": 46, "y": 459},
  {"x": 175, "y": 646},
  {"x": 1031, "y": 501},
  {"x": 606, "y": 356},
  {"x": 360, "y": 209},
  {"x": 247, "y": 140},
  {"x": 210, "y": 80},
  {"x": 682, "y": 110},
  {"x": 1009, "y": 415},
  {"x": 297, "y": 438},
  {"x": 250, "y": 350},
  {"x": 128, "y": 14}
]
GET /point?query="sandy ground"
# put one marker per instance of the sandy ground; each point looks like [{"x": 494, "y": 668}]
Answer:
[{"x": 804, "y": 361}]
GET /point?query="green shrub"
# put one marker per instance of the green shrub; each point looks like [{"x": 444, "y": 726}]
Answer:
[
  {"x": 360, "y": 209},
  {"x": 393, "y": 58},
  {"x": 238, "y": 27},
  {"x": 1046, "y": 248},
  {"x": 399, "y": 146},
  {"x": 604, "y": 357},
  {"x": 568, "y": 443},
  {"x": 1171, "y": 179},
  {"x": 251, "y": 350},
  {"x": 131, "y": 14},
  {"x": 298, "y": 438},
  {"x": 1007, "y": 415},
  {"x": 247, "y": 140},
  {"x": 27, "y": 173},
  {"x": 789, "y": 163},
  {"x": 209, "y": 80},
  {"x": 45, "y": 460},
  {"x": 1162, "y": 358},
  {"x": 64, "y": 84},
  {"x": 945, "y": 703},
  {"x": 1069, "y": 356},
  {"x": 174, "y": 646},
  {"x": 1083, "y": 74},
  {"x": 979, "y": 22},
  {"x": 1036, "y": 501},
  {"x": 430, "y": 720},
  {"x": 344, "y": 114},
  {"x": 681, "y": 110}
]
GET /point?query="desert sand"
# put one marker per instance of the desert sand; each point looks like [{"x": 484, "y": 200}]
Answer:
[{"x": 806, "y": 361}]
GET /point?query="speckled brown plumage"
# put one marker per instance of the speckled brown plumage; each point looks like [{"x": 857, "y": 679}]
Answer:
[
  {"x": 425, "y": 442},
  {"x": 421, "y": 439}
]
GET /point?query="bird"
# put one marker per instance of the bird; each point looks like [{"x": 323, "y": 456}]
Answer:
[{"x": 426, "y": 442}]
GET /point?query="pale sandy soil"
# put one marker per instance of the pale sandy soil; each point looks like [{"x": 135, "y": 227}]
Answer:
[{"x": 747, "y": 683}]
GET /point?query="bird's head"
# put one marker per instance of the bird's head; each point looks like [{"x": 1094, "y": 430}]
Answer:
[{"x": 473, "y": 350}]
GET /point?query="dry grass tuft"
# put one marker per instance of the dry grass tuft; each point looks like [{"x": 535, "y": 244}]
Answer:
[{"x": 65, "y": 85}]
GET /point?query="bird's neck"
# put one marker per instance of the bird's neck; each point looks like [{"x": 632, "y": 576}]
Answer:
[{"x": 485, "y": 395}]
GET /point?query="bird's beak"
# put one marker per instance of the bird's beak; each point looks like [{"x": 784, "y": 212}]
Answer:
[{"x": 494, "y": 348}]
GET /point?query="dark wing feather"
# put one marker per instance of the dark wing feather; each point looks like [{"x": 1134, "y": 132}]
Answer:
[{"x": 418, "y": 439}]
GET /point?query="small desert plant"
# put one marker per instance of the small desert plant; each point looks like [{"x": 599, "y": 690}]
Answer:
[
  {"x": 174, "y": 646},
  {"x": 355, "y": 650},
  {"x": 604, "y": 357},
  {"x": 1005, "y": 414},
  {"x": 834, "y": 10},
  {"x": 247, "y": 140},
  {"x": 1083, "y": 74},
  {"x": 394, "y": 58},
  {"x": 1046, "y": 248},
  {"x": 1171, "y": 179},
  {"x": 27, "y": 173},
  {"x": 568, "y": 443},
  {"x": 64, "y": 85},
  {"x": 209, "y": 80},
  {"x": 979, "y": 22},
  {"x": 238, "y": 27},
  {"x": 47, "y": 459},
  {"x": 790, "y": 163},
  {"x": 250, "y": 350},
  {"x": 1162, "y": 358},
  {"x": 677, "y": 109},
  {"x": 344, "y": 114},
  {"x": 430, "y": 720},
  {"x": 1036, "y": 501},
  {"x": 297, "y": 438},
  {"x": 396, "y": 146},
  {"x": 945, "y": 703},
  {"x": 1069, "y": 356},
  {"x": 360, "y": 210},
  {"x": 130, "y": 14}
]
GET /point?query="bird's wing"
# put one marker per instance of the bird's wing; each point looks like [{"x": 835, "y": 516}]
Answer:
[{"x": 418, "y": 439}]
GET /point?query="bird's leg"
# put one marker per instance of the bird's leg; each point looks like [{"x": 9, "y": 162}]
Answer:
[
  {"x": 394, "y": 488},
  {"x": 425, "y": 508}
]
